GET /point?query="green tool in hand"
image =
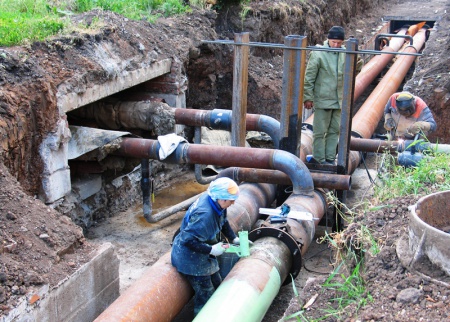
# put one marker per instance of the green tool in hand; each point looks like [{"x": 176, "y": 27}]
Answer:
[{"x": 243, "y": 249}]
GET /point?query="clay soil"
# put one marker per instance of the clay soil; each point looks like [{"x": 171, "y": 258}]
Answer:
[{"x": 41, "y": 246}]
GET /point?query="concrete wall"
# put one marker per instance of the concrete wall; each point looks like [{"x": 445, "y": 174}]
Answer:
[{"x": 79, "y": 298}]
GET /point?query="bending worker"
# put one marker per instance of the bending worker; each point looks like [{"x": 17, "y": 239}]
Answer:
[
  {"x": 198, "y": 244},
  {"x": 406, "y": 115}
]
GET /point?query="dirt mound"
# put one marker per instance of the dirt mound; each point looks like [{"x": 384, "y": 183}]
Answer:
[
  {"x": 392, "y": 293},
  {"x": 39, "y": 246}
]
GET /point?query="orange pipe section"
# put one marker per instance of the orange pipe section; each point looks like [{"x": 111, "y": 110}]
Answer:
[
  {"x": 376, "y": 65},
  {"x": 164, "y": 286},
  {"x": 366, "y": 119}
]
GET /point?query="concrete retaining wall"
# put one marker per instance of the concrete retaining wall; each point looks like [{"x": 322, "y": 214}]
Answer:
[{"x": 81, "y": 297}]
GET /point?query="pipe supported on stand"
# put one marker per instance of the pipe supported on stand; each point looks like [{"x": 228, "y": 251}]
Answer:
[
  {"x": 266, "y": 263},
  {"x": 251, "y": 291}
]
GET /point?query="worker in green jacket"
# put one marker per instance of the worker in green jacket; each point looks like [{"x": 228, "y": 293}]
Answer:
[{"x": 323, "y": 91}]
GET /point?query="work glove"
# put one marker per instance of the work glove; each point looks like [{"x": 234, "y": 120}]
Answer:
[
  {"x": 418, "y": 127},
  {"x": 308, "y": 105},
  {"x": 217, "y": 249},
  {"x": 389, "y": 122}
]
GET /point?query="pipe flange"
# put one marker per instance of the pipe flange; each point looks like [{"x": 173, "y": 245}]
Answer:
[{"x": 288, "y": 240}]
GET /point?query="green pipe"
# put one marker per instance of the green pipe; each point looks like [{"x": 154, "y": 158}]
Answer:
[{"x": 249, "y": 289}]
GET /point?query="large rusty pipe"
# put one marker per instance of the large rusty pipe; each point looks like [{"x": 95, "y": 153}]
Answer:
[
  {"x": 225, "y": 156},
  {"x": 376, "y": 65},
  {"x": 366, "y": 119},
  {"x": 220, "y": 119},
  {"x": 320, "y": 180},
  {"x": 245, "y": 211},
  {"x": 161, "y": 292},
  {"x": 147, "y": 299}
]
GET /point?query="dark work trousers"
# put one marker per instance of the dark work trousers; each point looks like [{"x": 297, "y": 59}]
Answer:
[{"x": 204, "y": 287}]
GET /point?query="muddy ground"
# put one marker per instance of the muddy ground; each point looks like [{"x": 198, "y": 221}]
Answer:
[{"x": 42, "y": 246}]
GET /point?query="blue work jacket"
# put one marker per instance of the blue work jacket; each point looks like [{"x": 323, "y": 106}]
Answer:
[{"x": 198, "y": 232}]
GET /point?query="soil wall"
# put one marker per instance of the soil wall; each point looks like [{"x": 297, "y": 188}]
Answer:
[{"x": 30, "y": 75}]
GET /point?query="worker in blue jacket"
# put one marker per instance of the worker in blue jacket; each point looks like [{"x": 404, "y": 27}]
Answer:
[{"x": 198, "y": 243}]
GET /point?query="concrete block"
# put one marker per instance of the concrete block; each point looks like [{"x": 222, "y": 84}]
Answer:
[
  {"x": 55, "y": 185},
  {"x": 69, "y": 100},
  {"x": 54, "y": 148},
  {"x": 87, "y": 186},
  {"x": 79, "y": 298}
]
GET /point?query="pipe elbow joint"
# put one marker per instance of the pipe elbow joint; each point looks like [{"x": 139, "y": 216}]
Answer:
[{"x": 296, "y": 170}]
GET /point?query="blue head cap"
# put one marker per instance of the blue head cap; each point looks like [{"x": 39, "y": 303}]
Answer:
[{"x": 223, "y": 189}]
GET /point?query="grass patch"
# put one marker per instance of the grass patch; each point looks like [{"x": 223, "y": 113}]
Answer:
[
  {"x": 350, "y": 290},
  {"x": 24, "y": 21},
  {"x": 431, "y": 174},
  {"x": 23, "y": 28}
]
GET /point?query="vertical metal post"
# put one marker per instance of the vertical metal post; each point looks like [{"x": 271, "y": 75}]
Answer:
[
  {"x": 240, "y": 84},
  {"x": 302, "y": 62},
  {"x": 292, "y": 95},
  {"x": 346, "y": 121},
  {"x": 347, "y": 105}
]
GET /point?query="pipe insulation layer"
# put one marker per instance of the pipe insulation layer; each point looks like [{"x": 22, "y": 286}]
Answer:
[{"x": 255, "y": 280}]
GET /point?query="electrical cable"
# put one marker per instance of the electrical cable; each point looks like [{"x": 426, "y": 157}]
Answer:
[
  {"x": 367, "y": 169},
  {"x": 313, "y": 271}
]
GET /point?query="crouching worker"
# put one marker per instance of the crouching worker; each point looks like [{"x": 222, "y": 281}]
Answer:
[
  {"x": 198, "y": 243},
  {"x": 406, "y": 115}
]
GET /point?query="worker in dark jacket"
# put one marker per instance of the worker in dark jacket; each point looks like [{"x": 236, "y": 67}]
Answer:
[
  {"x": 195, "y": 248},
  {"x": 406, "y": 115}
]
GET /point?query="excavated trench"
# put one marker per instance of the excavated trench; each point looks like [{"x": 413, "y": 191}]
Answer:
[
  {"x": 115, "y": 128},
  {"x": 271, "y": 240},
  {"x": 278, "y": 240}
]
